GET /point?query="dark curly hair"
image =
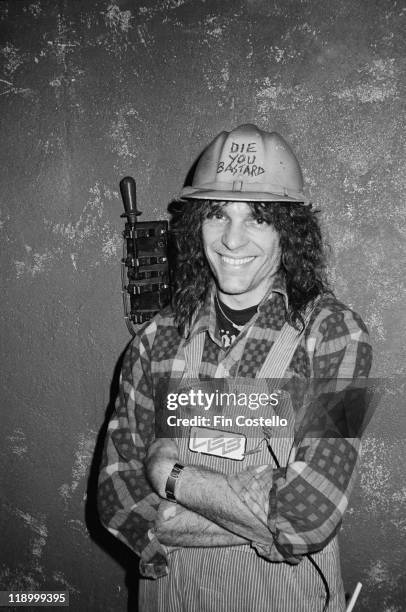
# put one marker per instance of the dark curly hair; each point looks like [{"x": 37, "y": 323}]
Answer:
[{"x": 302, "y": 260}]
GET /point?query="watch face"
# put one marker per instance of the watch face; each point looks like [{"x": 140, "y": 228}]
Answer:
[{"x": 225, "y": 444}]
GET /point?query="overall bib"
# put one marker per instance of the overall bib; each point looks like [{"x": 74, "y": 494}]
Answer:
[{"x": 236, "y": 578}]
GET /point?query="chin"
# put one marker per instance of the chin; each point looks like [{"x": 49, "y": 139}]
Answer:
[{"x": 232, "y": 289}]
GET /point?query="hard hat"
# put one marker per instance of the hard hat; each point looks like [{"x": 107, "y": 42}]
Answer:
[{"x": 246, "y": 164}]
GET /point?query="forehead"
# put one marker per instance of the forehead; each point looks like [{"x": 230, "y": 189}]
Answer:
[{"x": 237, "y": 207}]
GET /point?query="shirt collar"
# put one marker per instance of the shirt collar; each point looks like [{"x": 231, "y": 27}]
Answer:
[
  {"x": 205, "y": 315},
  {"x": 278, "y": 286}
]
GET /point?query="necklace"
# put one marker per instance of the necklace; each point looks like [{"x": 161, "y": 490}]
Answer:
[{"x": 239, "y": 327}]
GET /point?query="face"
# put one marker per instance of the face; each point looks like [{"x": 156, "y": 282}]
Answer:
[{"x": 243, "y": 253}]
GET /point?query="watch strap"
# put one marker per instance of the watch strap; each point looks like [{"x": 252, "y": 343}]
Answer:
[{"x": 171, "y": 482}]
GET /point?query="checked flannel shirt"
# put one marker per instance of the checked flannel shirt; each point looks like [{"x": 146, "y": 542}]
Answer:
[{"x": 302, "y": 504}]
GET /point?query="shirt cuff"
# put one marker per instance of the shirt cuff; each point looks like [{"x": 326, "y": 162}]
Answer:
[{"x": 154, "y": 558}]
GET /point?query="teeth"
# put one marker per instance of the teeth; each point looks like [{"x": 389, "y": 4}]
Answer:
[{"x": 236, "y": 262}]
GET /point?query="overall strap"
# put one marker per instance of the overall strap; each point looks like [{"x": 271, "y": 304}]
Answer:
[
  {"x": 284, "y": 347},
  {"x": 193, "y": 352}
]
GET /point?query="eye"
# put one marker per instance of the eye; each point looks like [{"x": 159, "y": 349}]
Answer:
[
  {"x": 215, "y": 214},
  {"x": 258, "y": 221}
]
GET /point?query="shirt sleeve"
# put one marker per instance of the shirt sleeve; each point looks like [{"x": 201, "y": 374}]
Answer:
[
  {"x": 303, "y": 503},
  {"x": 126, "y": 503}
]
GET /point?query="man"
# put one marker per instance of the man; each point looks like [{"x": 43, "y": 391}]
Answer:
[{"x": 255, "y": 530}]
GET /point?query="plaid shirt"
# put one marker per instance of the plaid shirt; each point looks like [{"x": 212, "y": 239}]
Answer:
[{"x": 303, "y": 503}]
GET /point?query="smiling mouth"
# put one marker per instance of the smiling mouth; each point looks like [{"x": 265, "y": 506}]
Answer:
[{"x": 233, "y": 261}]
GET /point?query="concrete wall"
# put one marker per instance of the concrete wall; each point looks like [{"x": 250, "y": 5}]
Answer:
[{"x": 92, "y": 91}]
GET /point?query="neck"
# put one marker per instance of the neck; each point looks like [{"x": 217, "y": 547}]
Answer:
[{"x": 242, "y": 301}]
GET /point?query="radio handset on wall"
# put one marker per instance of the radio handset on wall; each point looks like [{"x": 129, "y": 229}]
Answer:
[{"x": 145, "y": 270}]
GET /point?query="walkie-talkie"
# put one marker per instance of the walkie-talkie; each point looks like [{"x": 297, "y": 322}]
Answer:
[{"x": 145, "y": 271}]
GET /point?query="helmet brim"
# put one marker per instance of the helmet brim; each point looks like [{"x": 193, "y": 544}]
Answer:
[{"x": 191, "y": 193}]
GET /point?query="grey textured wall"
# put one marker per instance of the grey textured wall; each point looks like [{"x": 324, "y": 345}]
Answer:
[{"x": 92, "y": 91}]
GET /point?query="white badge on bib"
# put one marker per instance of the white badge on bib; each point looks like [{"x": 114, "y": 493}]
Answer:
[{"x": 226, "y": 444}]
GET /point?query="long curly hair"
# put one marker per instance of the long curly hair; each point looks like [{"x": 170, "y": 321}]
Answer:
[{"x": 303, "y": 259}]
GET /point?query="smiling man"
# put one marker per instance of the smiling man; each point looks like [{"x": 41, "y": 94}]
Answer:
[
  {"x": 225, "y": 519},
  {"x": 243, "y": 253}
]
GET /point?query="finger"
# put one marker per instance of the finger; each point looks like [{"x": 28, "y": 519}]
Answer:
[{"x": 169, "y": 512}]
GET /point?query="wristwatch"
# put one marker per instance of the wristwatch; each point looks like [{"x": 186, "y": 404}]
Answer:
[{"x": 171, "y": 482}]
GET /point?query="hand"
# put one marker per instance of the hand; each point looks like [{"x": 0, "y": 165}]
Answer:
[
  {"x": 166, "y": 512},
  {"x": 161, "y": 456},
  {"x": 170, "y": 524}
]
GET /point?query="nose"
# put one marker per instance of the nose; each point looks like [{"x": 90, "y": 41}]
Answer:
[{"x": 234, "y": 235}]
